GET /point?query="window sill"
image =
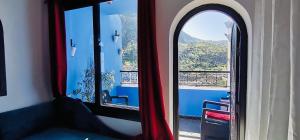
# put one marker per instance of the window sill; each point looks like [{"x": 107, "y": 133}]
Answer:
[{"x": 115, "y": 111}]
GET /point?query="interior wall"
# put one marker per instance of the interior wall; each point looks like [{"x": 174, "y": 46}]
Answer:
[{"x": 25, "y": 24}]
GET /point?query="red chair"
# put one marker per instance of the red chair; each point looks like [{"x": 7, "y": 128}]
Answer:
[{"x": 215, "y": 123}]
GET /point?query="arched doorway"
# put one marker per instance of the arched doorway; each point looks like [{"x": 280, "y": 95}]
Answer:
[{"x": 238, "y": 70}]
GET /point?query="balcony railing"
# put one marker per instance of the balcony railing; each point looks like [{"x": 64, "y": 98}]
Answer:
[
  {"x": 204, "y": 78},
  {"x": 129, "y": 77},
  {"x": 187, "y": 78}
]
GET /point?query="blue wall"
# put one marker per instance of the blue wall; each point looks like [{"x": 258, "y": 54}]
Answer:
[
  {"x": 79, "y": 27},
  {"x": 190, "y": 100},
  {"x": 112, "y": 60},
  {"x": 119, "y": 7},
  {"x": 110, "y": 22},
  {"x": 131, "y": 92}
]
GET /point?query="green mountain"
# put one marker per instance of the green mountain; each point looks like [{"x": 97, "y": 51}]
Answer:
[
  {"x": 194, "y": 54},
  {"x": 201, "y": 55},
  {"x": 187, "y": 39}
]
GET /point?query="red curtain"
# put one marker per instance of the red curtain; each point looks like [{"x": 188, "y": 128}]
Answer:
[
  {"x": 152, "y": 111},
  {"x": 57, "y": 47}
]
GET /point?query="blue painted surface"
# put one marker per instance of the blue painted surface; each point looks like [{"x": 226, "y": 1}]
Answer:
[
  {"x": 112, "y": 60},
  {"x": 81, "y": 32},
  {"x": 119, "y": 7},
  {"x": 190, "y": 100},
  {"x": 131, "y": 92},
  {"x": 79, "y": 28}
]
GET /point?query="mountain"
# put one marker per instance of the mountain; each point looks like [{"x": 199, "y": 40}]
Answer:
[
  {"x": 185, "y": 38},
  {"x": 201, "y": 55}
]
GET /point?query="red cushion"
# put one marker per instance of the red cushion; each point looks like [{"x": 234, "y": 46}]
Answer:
[{"x": 219, "y": 116}]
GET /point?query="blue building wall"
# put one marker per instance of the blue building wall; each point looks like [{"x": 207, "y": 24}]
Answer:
[
  {"x": 190, "y": 100},
  {"x": 79, "y": 28},
  {"x": 119, "y": 7},
  {"x": 112, "y": 59},
  {"x": 131, "y": 92}
]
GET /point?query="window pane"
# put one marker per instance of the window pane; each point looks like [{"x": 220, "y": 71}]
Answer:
[
  {"x": 119, "y": 72},
  {"x": 80, "y": 54}
]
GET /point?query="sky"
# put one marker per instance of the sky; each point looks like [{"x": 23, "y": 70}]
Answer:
[{"x": 207, "y": 25}]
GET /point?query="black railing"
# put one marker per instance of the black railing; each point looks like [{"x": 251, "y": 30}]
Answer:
[
  {"x": 129, "y": 77},
  {"x": 187, "y": 78},
  {"x": 203, "y": 78}
]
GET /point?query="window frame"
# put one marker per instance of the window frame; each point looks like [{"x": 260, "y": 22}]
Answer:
[
  {"x": 241, "y": 66},
  {"x": 97, "y": 108}
]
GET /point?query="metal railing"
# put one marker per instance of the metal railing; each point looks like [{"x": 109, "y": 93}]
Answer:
[
  {"x": 187, "y": 78},
  {"x": 204, "y": 78},
  {"x": 129, "y": 77}
]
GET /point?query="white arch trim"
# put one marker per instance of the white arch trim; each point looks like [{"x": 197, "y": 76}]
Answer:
[{"x": 187, "y": 8}]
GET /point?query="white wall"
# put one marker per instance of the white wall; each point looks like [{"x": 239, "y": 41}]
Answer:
[{"x": 25, "y": 24}]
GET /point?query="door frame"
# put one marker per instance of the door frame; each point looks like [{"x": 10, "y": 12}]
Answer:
[{"x": 242, "y": 54}]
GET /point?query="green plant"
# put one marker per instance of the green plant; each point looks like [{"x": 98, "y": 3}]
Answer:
[
  {"x": 86, "y": 87},
  {"x": 108, "y": 80}
]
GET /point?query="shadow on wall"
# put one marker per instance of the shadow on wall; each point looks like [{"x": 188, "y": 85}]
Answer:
[{"x": 3, "y": 91}]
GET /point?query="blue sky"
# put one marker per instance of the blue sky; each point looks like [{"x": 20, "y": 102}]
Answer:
[{"x": 207, "y": 25}]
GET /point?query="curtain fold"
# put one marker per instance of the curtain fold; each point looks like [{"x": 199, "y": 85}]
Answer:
[
  {"x": 273, "y": 111},
  {"x": 152, "y": 111},
  {"x": 57, "y": 47}
]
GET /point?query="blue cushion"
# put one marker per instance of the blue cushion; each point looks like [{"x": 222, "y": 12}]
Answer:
[
  {"x": 22, "y": 122},
  {"x": 66, "y": 134},
  {"x": 61, "y": 113}
]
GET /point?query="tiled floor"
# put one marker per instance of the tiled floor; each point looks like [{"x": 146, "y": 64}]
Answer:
[{"x": 189, "y": 129}]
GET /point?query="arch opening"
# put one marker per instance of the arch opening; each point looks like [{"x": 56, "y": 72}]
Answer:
[{"x": 239, "y": 65}]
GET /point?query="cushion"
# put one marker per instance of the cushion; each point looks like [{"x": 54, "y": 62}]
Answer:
[
  {"x": 19, "y": 123},
  {"x": 66, "y": 134},
  {"x": 218, "y": 116},
  {"x": 61, "y": 113}
]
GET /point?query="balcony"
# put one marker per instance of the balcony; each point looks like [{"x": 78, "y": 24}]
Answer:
[{"x": 194, "y": 88}]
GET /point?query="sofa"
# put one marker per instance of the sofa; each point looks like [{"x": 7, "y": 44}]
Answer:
[{"x": 61, "y": 119}]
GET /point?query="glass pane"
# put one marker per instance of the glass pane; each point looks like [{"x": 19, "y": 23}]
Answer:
[
  {"x": 119, "y": 72},
  {"x": 204, "y": 75},
  {"x": 80, "y": 54}
]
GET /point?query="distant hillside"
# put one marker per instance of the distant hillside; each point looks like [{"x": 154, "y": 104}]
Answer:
[
  {"x": 193, "y": 53},
  {"x": 201, "y": 55},
  {"x": 185, "y": 38}
]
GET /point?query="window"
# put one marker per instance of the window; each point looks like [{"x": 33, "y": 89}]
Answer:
[
  {"x": 80, "y": 54},
  {"x": 119, "y": 54},
  {"x": 101, "y": 41}
]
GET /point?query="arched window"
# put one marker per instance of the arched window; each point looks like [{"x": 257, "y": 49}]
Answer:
[
  {"x": 196, "y": 72},
  {"x": 2, "y": 63}
]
